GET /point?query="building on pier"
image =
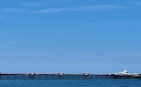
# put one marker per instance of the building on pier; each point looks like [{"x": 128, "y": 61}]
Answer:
[{"x": 125, "y": 72}]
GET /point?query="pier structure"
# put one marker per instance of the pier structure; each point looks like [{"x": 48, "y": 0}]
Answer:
[{"x": 61, "y": 76}]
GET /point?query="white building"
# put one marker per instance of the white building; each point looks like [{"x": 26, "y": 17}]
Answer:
[
  {"x": 136, "y": 74},
  {"x": 125, "y": 72}
]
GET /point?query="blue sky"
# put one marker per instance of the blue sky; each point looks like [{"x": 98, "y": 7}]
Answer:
[{"x": 71, "y": 36}]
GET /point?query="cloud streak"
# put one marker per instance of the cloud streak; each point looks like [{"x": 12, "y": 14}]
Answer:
[
  {"x": 14, "y": 10},
  {"x": 17, "y": 42},
  {"x": 82, "y": 8},
  {"x": 1, "y": 17},
  {"x": 112, "y": 22},
  {"x": 75, "y": 9}
]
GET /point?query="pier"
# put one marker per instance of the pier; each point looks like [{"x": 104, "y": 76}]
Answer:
[
  {"x": 59, "y": 76},
  {"x": 64, "y": 76}
]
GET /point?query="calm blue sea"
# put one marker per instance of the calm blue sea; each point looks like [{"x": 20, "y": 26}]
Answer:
[{"x": 72, "y": 83}]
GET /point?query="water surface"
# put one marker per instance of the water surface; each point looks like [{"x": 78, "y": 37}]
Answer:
[{"x": 72, "y": 83}]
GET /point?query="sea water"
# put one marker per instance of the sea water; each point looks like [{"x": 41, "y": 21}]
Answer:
[{"x": 72, "y": 83}]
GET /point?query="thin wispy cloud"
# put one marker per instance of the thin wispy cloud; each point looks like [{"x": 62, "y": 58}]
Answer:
[
  {"x": 16, "y": 42},
  {"x": 82, "y": 8},
  {"x": 14, "y": 10},
  {"x": 74, "y": 9},
  {"x": 1, "y": 17},
  {"x": 112, "y": 22}
]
